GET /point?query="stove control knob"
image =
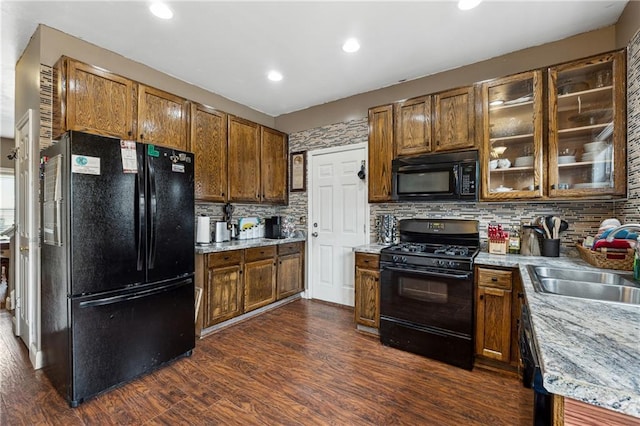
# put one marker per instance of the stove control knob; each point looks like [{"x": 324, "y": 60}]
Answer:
[
  {"x": 451, "y": 263},
  {"x": 404, "y": 259},
  {"x": 441, "y": 262},
  {"x": 394, "y": 258}
]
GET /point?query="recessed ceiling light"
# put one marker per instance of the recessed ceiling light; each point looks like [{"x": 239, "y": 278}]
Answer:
[
  {"x": 468, "y": 4},
  {"x": 351, "y": 45},
  {"x": 274, "y": 75},
  {"x": 161, "y": 10}
]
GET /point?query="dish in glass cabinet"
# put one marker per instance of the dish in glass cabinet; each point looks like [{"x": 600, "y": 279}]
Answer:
[
  {"x": 524, "y": 161},
  {"x": 566, "y": 159},
  {"x": 592, "y": 185},
  {"x": 502, "y": 189},
  {"x": 591, "y": 117}
]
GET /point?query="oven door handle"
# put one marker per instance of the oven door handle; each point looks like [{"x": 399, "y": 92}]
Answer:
[{"x": 429, "y": 273}]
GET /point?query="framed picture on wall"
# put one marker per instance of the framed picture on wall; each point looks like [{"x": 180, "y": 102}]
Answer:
[{"x": 298, "y": 171}]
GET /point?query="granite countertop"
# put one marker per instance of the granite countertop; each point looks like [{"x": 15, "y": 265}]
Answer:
[
  {"x": 589, "y": 350},
  {"x": 243, "y": 244}
]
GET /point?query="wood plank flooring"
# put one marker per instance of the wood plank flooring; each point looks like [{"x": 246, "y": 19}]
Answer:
[{"x": 301, "y": 364}]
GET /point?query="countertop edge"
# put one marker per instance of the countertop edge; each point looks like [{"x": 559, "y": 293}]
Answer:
[{"x": 244, "y": 244}]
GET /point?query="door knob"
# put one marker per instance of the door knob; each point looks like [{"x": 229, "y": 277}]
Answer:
[
  {"x": 24, "y": 248},
  {"x": 315, "y": 234}
]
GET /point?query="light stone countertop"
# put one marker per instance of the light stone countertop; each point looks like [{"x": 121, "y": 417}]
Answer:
[
  {"x": 589, "y": 350},
  {"x": 244, "y": 244}
]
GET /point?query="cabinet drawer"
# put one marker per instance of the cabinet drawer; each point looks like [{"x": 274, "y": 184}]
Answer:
[
  {"x": 369, "y": 261},
  {"x": 289, "y": 248},
  {"x": 494, "y": 278},
  {"x": 258, "y": 253},
  {"x": 224, "y": 258}
]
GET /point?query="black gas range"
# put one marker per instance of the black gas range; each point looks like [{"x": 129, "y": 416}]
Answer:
[{"x": 426, "y": 289}]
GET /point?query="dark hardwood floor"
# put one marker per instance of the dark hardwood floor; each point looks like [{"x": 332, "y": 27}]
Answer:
[{"x": 301, "y": 364}]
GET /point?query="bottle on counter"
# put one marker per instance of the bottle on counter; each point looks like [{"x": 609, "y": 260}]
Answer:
[
  {"x": 636, "y": 262},
  {"x": 514, "y": 241}
]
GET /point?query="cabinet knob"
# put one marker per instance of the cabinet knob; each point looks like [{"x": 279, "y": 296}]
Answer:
[
  {"x": 141, "y": 136},
  {"x": 494, "y": 279},
  {"x": 129, "y": 133},
  {"x": 482, "y": 297},
  {"x": 222, "y": 194},
  {"x": 537, "y": 187},
  {"x": 553, "y": 186},
  {"x": 520, "y": 295}
]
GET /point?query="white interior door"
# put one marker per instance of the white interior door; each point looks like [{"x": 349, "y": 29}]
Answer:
[
  {"x": 339, "y": 218},
  {"x": 26, "y": 320}
]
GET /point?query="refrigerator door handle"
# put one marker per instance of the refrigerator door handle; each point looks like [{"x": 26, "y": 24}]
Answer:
[
  {"x": 141, "y": 212},
  {"x": 133, "y": 296},
  {"x": 153, "y": 215}
]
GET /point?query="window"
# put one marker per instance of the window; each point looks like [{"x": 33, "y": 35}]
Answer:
[{"x": 7, "y": 199}]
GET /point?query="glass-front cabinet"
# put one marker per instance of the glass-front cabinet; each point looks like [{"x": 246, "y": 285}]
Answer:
[
  {"x": 512, "y": 154},
  {"x": 587, "y": 152}
]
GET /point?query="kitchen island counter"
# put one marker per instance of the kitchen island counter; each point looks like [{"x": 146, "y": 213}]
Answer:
[{"x": 589, "y": 350}]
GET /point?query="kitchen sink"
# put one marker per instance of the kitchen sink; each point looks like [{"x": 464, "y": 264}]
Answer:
[{"x": 604, "y": 286}]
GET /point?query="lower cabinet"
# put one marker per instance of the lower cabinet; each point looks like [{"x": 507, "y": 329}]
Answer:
[
  {"x": 223, "y": 287},
  {"x": 259, "y": 277},
  {"x": 290, "y": 270},
  {"x": 497, "y": 313},
  {"x": 367, "y": 290},
  {"x": 239, "y": 281}
]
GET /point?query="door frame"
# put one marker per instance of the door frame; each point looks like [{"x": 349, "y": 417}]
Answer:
[
  {"x": 33, "y": 303},
  {"x": 308, "y": 294}
]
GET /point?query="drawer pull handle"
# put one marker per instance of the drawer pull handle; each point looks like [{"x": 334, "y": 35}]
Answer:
[{"x": 494, "y": 279}]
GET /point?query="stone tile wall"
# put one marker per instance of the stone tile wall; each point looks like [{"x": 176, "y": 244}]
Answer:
[{"x": 629, "y": 211}]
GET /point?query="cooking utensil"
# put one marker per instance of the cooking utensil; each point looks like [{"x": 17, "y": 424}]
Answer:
[
  {"x": 564, "y": 225},
  {"x": 556, "y": 226},
  {"x": 546, "y": 228}
]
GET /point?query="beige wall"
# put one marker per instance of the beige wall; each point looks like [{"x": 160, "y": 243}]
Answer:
[
  {"x": 56, "y": 43},
  {"x": 28, "y": 80},
  {"x": 355, "y": 107},
  {"x": 628, "y": 24},
  {"x": 6, "y": 145}
]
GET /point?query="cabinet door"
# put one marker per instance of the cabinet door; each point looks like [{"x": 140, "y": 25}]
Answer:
[
  {"x": 454, "y": 119},
  {"x": 223, "y": 294},
  {"x": 413, "y": 126},
  {"x": 587, "y": 130},
  {"x": 274, "y": 151},
  {"x": 493, "y": 323},
  {"x": 512, "y": 154},
  {"x": 92, "y": 100},
  {"x": 243, "y": 151},
  {"x": 259, "y": 284},
  {"x": 380, "y": 153},
  {"x": 162, "y": 118},
  {"x": 367, "y": 297},
  {"x": 209, "y": 144},
  {"x": 289, "y": 275}
]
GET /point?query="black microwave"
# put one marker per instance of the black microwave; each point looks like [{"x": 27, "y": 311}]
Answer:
[{"x": 436, "y": 177}]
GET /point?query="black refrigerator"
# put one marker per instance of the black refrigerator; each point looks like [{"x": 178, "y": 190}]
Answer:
[{"x": 117, "y": 261}]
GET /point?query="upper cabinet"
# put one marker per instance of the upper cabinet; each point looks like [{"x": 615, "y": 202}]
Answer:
[
  {"x": 92, "y": 100},
  {"x": 274, "y": 151},
  {"x": 209, "y": 144},
  {"x": 244, "y": 160},
  {"x": 454, "y": 119},
  {"x": 587, "y": 127},
  {"x": 512, "y": 154},
  {"x": 413, "y": 126},
  {"x": 162, "y": 118},
  {"x": 380, "y": 153}
]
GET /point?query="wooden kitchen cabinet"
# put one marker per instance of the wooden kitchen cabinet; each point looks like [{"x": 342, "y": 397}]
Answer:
[
  {"x": 162, "y": 118},
  {"x": 260, "y": 274},
  {"x": 367, "y": 290},
  {"x": 587, "y": 127},
  {"x": 290, "y": 269},
  {"x": 274, "y": 153},
  {"x": 223, "y": 292},
  {"x": 380, "y": 153},
  {"x": 413, "y": 126},
  {"x": 243, "y": 150},
  {"x": 90, "y": 99},
  {"x": 493, "y": 314},
  {"x": 208, "y": 142},
  {"x": 512, "y": 154},
  {"x": 454, "y": 119}
]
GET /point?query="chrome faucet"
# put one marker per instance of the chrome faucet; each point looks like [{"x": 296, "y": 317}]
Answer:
[{"x": 614, "y": 231}]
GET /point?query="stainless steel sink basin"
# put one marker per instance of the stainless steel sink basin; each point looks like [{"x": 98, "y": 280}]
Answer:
[{"x": 604, "y": 286}]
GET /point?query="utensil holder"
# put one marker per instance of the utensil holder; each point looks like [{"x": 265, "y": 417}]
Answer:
[{"x": 551, "y": 247}]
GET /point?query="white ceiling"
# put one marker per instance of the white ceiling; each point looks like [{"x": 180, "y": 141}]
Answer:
[{"x": 228, "y": 47}]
